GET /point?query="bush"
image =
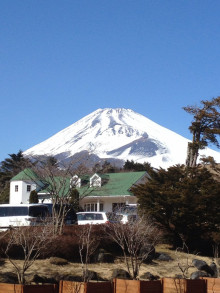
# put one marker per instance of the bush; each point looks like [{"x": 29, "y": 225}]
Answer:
[
  {"x": 67, "y": 245},
  {"x": 33, "y": 197}
]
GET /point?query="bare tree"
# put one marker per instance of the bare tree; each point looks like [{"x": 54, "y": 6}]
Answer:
[
  {"x": 55, "y": 180},
  {"x": 204, "y": 128},
  {"x": 32, "y": 241},
  {"x": 184, "y": 263},
  {"x": 88, "y": 243},
  {"x": 137, "y": 240}
]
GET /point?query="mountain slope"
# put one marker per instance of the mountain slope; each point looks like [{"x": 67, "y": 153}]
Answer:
[{"x": 119, "y": 134}]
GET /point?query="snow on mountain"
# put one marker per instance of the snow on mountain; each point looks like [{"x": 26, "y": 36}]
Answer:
[{"x": 119, "y": 134}]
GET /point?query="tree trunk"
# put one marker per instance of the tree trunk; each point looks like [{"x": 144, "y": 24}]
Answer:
[
  {"x": 192, "y": 154},
  {"x": 20, "y": 276}
]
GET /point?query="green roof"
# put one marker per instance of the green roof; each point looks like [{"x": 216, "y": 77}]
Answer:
[
  {"x": 59, "y": 185},
  {"x": 26, "y": 174},
  {"x": 116, "y": 184},
  {"x": 113, "y": 184}
]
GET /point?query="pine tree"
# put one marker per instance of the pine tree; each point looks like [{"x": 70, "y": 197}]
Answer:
[
  {"x": 132, "y": 166},
  {"x": 185, "y": 201},
  {"x": 14, "y": 164},
  {"x": 204, "y": 128},
  {"x": 8, "y": 168}
]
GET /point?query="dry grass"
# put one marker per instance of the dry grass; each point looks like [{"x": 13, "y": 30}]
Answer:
[
  {"x": 172, "y": 268},
  {"x": 160, "y": 268}
]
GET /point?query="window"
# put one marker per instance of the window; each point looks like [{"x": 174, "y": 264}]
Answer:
[
  {"x": 16, "y": 188},
  {"x": 28, "y": 188},
  {"x": 75, "y": 181},
  {"x": 38, "y": 211},
  {"x": 95, "y": 181},
  {"x": 32, "y": 211},
  {"x": 98, "y": 217},
  {"x": 92, "y": 207},
  {"x": 89, "y": 217},
  {"x": 13, "y": 211}
]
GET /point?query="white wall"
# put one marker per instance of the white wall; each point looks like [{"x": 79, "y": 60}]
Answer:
[
  {"x": 108, "y": 201},
  {"x": 22, "y": 195}
]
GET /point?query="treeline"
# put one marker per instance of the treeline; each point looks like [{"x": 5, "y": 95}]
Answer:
[{"x": 15, "y": 163}]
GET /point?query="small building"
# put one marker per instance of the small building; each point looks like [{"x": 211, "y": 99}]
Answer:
[
  {"x": 21, "y": 186},
  {"x": 98, "y": 192}
]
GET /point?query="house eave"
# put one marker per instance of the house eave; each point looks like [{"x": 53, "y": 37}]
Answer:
[{"x": 108, "y": 196}]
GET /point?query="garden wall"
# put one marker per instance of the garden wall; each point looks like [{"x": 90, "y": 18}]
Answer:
[
  {"x": 183, "y": 286},
  {"x": 91, "y": 287},
  {"x": 131, "y": 286},
  {"x": 165, "y": 285},
  {"x": 17, "y": 288},
  {"x": 212, "y": 285}
]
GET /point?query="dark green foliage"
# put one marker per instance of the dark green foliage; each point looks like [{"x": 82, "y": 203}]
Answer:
[
  {"x": 132, "y": 166},
  {"x": 74, "y": 199},
  {"x": 8, "y": 168},
  {"x": 205, "y": 128},
  {"x": 14, "y": 164},
  {"x": 51, "y": 161},
  {"x": 106, "y": 167},
  {"x": 33, "y": 197},
  {"x": 4, "y": 192},
  {"x": 185, "y": 201}
]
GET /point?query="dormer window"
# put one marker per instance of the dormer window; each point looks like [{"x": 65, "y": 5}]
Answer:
[
  {"x": 75, "y": 181},
  {"x": 95, "y": 181}
]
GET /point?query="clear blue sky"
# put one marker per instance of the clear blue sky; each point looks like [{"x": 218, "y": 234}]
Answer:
[{"x": 61, "y": 60}]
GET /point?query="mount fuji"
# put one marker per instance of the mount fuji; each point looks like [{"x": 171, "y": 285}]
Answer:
[{"x": 117, "y": 135}]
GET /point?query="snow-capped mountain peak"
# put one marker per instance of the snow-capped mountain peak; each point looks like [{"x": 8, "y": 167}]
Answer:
[{"x": 118, "y": 134}]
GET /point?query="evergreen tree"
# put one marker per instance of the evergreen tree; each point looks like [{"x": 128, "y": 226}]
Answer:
[
  {"x": 33, "y": 197},
  {"x": 205, "y": 128},
  {"x": 106, "y": 167},
  {"x": 14, "y": 164},
  {"x": 185, "y": 201},
  {"x": 132, "y": 166},
  {"x": 52, "y": 161},
  {"x": 74, "y": 199},
  {"x": 96, "y": 168},
  {"x": 4, "y": 192},
  {"x": 8, "y": 168}
]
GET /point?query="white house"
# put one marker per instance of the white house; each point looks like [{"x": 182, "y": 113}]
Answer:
[
  {"x": 98, "y": 192},
  {"x": 21, "y": 186}
]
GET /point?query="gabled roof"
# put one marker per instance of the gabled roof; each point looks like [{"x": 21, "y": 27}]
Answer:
[
  {"x": 116, "y": 184},
  {"x": 57, "y": 185},
  {"x": 26, "y": 174},
  {"x": 113, "y": 184}
]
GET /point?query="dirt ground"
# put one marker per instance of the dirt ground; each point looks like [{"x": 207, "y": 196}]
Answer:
[{"x": 158, "y": 268}]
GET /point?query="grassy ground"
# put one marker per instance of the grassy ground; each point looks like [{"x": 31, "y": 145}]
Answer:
[{"x": 159, "y": 268}]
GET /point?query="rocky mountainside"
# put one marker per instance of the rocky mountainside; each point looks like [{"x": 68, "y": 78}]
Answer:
[{"x": 117, "y": 135}]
